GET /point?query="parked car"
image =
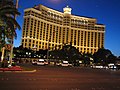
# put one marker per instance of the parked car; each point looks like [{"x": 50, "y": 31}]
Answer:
[
  {"x": 65, "y": 63},
  {"x": 97, "y": 66},
  {"x": 41, "y": 62},
  {"x": 34, "y": 62},
  {"x": 112, "y": 66},
  {"x": 58, "y": 63},
  {"x": 46, "y": 62}
]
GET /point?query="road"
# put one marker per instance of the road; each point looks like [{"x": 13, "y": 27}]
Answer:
[{"x": 61, "y": 78}]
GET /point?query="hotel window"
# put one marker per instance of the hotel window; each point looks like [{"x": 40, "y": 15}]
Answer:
[
  {"x": 75, "y": 37},
  {"x": 25, "y": 44},
  {"x": 85, "y": 38},
  {"x": 67, "y": 35},
  {"x": 99, "y": 40},
  {"x": 95, "y": 39},
  {"x": 71, "y": 35},
  {"x": 92, "y": 39},
  {"x": 78, "y": 38},
  {"x": 81, "y": 38},
  {"x": 88, "y": 39},
  {"x": 25, "y": 40}
]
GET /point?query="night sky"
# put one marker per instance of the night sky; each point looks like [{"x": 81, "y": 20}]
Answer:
[{"x": 106, "y": 12}]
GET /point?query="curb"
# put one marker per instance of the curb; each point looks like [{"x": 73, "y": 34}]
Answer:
[{"x": 21, "y": 71}]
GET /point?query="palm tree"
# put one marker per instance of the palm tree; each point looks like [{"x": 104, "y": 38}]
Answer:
[
  {"x": 8, "y": 23},
  {"x": 7, "y": 18}
]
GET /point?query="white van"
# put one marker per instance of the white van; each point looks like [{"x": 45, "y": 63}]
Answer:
[{"x": 41, "y": 62}]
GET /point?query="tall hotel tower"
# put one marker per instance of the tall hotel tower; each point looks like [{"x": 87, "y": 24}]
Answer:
[{"x": 46, "y": 28}]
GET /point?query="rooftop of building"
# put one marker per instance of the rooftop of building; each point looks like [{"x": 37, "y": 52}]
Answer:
[{"x": 38, "y": 8}]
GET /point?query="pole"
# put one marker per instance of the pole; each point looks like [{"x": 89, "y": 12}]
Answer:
[{"x": 2, "y": 57}]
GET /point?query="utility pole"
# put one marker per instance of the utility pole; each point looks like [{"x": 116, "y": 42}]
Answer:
[{"x": 12, "y": 39}]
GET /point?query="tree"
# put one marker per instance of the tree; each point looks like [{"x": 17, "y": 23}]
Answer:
[
  {"x": 87, "y": 58},
  {"x": 103, "y": 56},
  {"x": 8, "y": 23},
  {"x": 119, "y": 57},
  {"x": 72, "y": 54}
]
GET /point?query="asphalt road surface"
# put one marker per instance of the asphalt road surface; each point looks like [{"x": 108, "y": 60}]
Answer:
[{"x": 61, "y": 78}]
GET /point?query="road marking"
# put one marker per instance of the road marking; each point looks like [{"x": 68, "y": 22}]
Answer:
[
  {"x": 93, "y": 89},
  {"x": 75, "y": 89},
  {"x": 97, "y": 88},
  {"x": 4, "y": 79},
  {"x": 30, "y": 79},
  {"x": 117, "y": 87},
  {"x": 34, "y": 79},
  {"x": 90, "y": 79},
  {"x": 54, "y": 80},
  {"x": 106, "y": 79}
]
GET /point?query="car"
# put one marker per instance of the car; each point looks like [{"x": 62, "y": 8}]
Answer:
[
  {"x": 34, "y": 62},
  {"x": 46, "y": 62},
  {"x": 112, "y": 66},
  {"x": 65, "y": 63},
  {"x": 58, "y": 64},
  {"x": 98, "y": 66},
  {"x": 105, "y": 67},
  {"x": 41, "y": 62}
]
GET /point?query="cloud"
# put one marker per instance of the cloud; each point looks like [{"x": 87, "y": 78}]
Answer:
[{"x": 55, "y": 1}]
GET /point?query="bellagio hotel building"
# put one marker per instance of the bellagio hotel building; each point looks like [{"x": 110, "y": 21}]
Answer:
[{"x": 46, "y": 28}]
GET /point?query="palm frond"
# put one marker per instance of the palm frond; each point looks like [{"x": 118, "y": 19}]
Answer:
[{"x": 9, "y": 10}]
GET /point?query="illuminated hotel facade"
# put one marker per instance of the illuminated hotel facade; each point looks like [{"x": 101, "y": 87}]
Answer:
[{"x": 45, "y": 28}]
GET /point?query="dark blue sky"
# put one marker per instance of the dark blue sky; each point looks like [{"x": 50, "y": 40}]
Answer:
[{"x": 105, "y": 11}]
